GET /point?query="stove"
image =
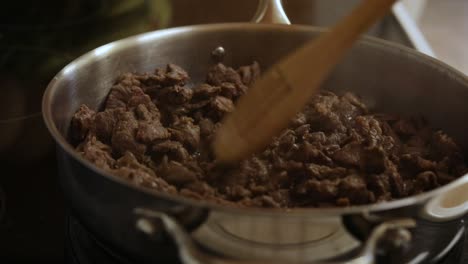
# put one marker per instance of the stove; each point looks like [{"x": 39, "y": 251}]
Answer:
[
  {"x": 83, "y": 248},
  {"x": 36, "y": 41}
]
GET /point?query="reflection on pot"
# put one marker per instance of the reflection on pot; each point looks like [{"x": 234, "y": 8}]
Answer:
[
  {"x": 448, "y": 206},
  {"x": 258, "y": 237}
]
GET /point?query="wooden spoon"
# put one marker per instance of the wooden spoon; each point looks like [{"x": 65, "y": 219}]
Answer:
[{"x": 287, "y": 86}]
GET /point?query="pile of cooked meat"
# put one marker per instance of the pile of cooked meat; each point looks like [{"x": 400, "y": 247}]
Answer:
[{"x": 155, "y": 131}]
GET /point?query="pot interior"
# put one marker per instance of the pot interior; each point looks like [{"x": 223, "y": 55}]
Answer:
[{"x": 388, "y": 77}]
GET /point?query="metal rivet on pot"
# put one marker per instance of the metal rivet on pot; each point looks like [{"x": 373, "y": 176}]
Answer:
[
  {"x": 396, "y": 239},
  {"x": 402, "y": 238},
  {"x": 145, "y": 226},
  {"x": 218, "y": 54}
]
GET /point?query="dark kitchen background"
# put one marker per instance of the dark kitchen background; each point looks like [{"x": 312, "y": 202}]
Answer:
[{"x": 37, "y": 39}]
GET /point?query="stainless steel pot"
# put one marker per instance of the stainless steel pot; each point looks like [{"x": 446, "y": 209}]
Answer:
[{"x": 389, "y": 77}]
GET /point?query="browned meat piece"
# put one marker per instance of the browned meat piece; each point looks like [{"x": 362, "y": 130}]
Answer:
[
  {"x": 416, "y": 164},
  {"x": 174, "y": 150},
  {"x": 444, "y": 178},
  {"x": 251, "y": 175},
  {"x": 128, "y": 167},
  {"x": 287, "y": 141},
  {"x": 128, "y": 79},
  {"x": 336, "y": 152},
  {"x": 348, "y": 108},
  {"x": 229, "y": 90},
  {"x": 316, "y": 191},
  {"x": 444, "y": 145},
  {"x": 219, "y": 74},
  {"x": 329, "y": 150},
  {"x": 299, "y": 120},
  {"x": 172, "y": 113},
  {"x": 105, "y": 123},
  {"x": 150, "y": 131},
  {"x": 139, "y": 99},
  {"x": 319, "y": 138},
  {"x": 369, "y": 128},
  {"x": 152, "y": 81},
  {"x": 170, "y": 76},
  {"x": 96, "y": 152},
  {"x": 390, "y": 146},
  {"x": 200, "y": 191},
  {"x": 322, "y": 172},
  {"x": 175, "y": 75},
  {"x": 249, "y": 73},
  {"x": 175, "y": 95},
  {"x": 186, "y": 132},
  {"x": 265, "y": 201},
  {"x": 129, "y": 160},
  {"x": 415, "y": 145},
  {"x": 321, "y": 115},
  {"x": 176, "y": 173},
  {"x": 337, "y": 138},
  {"x": 142, "y": 179},
  {"x": 373, "y": 160},
  {"x": 354, "y": 188},
  {"x": 360, "y": 107},
  {"x": 205, "y": 91},
  {"x": 397, "y": 182},
  {"x": 82, "y": 123},
  {"x": 206, "y": 127},
  {"x": 146, "y": 113},
  {"x": 198, "y": 106},
  {"x": 123, "y": 136},
  {"x": 120, "y": 95},
  {"x": 349, "y": 155},
  {"x": 256, "y": 202},
  {"x": 255, "y": 168},
  {"x": 302, "y": 131},
  {"x": 405, "y": 127},
  {"x": 221, "y": 105},
  {"x": 139, "y": 172},
  {"x": 291, "y": 166},
  {"x": 238, "y": 192},
  {"x": 380, "y": 185},
  {"x": 307, "y": 152},
  {"x": 282, "y": 197},
  {"x": 425, "y": 164},
  {"x": 425, "y": 181},
  {"x": 389, "y": 132}
]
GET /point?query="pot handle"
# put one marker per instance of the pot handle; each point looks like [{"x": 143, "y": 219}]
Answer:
[
  {"x": 270, "y": 12},
  {"x": 449, "y": 205},
  {"x": 190, "y": 254}
]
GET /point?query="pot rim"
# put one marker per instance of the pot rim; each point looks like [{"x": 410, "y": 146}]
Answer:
[{"x": 115, "y": 46}]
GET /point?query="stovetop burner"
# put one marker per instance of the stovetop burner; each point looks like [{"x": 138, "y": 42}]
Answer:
[{"x": 83, "y": 248}]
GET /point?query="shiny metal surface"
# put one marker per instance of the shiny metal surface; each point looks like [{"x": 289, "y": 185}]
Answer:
[
  {"x": 396, "y": 27},
  {"x": 190, "y": 254},
  {"x": 411, "y": 29},
  {"x": 270, "y": 12},
  {"x": 407, "y": 83}
]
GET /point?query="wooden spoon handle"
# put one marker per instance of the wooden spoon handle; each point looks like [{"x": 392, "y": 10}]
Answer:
[{"x": 286, "y": 87}]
